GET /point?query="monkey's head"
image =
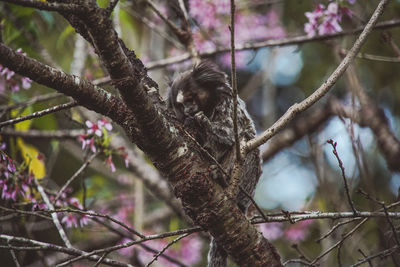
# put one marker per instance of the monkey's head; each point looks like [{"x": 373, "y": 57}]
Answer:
[{"x": 199, "y": 89}]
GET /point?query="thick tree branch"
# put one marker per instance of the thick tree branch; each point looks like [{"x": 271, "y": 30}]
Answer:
[
  {"x": 205, "y": 202},
  {"x": 61, "y": 7},
  {"x": 84, "y": 92}
]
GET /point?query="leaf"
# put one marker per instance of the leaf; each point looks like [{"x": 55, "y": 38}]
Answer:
[
  {"x": 64, "y": 35},
  {"x": 23, "y": 125},
  {"x": 30, "y": 153},
  {"x": 47, "y": 122}
]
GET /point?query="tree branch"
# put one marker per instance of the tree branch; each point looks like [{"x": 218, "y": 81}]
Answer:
[{"x": 323, "y": 89}]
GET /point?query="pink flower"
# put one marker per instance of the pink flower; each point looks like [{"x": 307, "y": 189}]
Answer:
[
  {"x": 70, "y": 220},
  {"x": 93, "y": 128},
  {"x": 123, "y": 154},
  {"x": 26, "y": 82},
  {"x": 8, "y": 73},
  {"x": 15, "y": 87},
  {"x": 298, "y": 232},
  {"x": 84, "y": 220},
  {"x": 105, "y": 123},
  {"x": 110, "y": 163},
  {"x": 3, "y": 184},
  {"x": 92, "y": 145},
  {"x": 271, "y": 231},
  {"x": 75, "y": 202},
  {"x": 325, "y": 21}
]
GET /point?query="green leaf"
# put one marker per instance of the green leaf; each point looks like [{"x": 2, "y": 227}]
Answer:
[{"x": 64, "y": 35}]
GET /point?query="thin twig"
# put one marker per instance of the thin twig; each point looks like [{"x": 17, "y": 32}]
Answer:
[
  {"x": 13, "y": 256},
  {"x": 166, "y": 247},
  {"x": 234, "y": 82},
  {"x": 336, "y": 227},
  {"x": 56, "y": 134},
  {"x": 297, "y": 40},
  {"x": 101, "y": 259},
  {"x": 57, "y": 223},
  {"x": 346, "y": 186},
  {"x": 76, "y": 174},
  {"x": 365, "y": 256},
  {"x": 38, "y": 245},
  {"x": 33, "y": 100},
  {"x": 40, "y": 113},
  {"x": 113, "y": 248},
  {"x": 169, "y": 23},
  {"x": 340, "y": 241},
  {"x": 381, "y": 255},
  {"x": 323, "y": 89}
]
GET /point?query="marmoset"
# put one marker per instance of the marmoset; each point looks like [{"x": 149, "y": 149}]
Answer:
[{"x": 202, "y": 100}]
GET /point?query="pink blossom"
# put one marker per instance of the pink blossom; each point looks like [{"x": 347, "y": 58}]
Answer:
[
  {"x": 91, "y": 144},
  {"x": 325, "y": 20},
  {"x": 70, "y": 220},
  {"x": 105, "y": 123},
  {"x": 84, "y": 220},
  {"x": 93, "y": 128},
  {"x": 124, "y": 155},
  {"x": 271, "y": 231},
  {"x": 190, "y": 250},
  {"x": 26, "y": 82},
  {"x": 298, "y": 232},
  {"x": 110, "y": 163},
  {"x": 8, "y": 73},
  {"x": 3, "y": 185},
  {"x": 125, "y": 251},
  {"x": 14, "y": 87},
  {"x": 38, "y": 205},
  {"x": 75, "y": 202}
]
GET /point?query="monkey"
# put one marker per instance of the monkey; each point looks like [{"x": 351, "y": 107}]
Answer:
[{"x": 202, "y": 99}]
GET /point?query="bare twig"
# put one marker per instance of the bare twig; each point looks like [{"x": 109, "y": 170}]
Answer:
[
  {"x": 323, "y": 89},
  {"x": 76, "y": 174},
  {"x": 40, "y": 113},
  {"x": 365, "y": 256},
  {"x": 346, "y": 186},
  {"x": 374, "y": 57},
  {"x": 166, "y": 247},
  {"x": 57, "y": 134},
  {"x": 57, "y": 223},
  {"x": 234, "y": 81},
  {"x": 297, "y": 40},
  {"x": 38, "y": 245},
  {"x": 340, "y": 241},
  {"x": 31, "y": 101},
  {"x": 13, "y": 256},
  {"x": 169, "y": 23},
  {"x": 116, "y": 247},
  {"x": 381, "y": 255},
  {"x": 336, "y": 227}
]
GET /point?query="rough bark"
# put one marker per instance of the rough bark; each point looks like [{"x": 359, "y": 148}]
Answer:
[{"x": 144, "y": 119}]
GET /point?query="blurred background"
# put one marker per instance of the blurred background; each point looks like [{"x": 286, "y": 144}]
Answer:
[{"x": 303, "y": 175}]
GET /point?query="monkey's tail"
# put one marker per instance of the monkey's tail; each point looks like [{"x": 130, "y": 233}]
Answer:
[{"x": 217, "y": 255}]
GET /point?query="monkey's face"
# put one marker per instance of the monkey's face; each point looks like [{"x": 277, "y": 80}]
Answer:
[{"x": 192, "y": 101}]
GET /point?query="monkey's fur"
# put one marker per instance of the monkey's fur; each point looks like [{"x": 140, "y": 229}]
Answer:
[{"x": 201, "y": 98}]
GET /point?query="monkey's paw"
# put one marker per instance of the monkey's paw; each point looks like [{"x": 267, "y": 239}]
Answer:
[{"x": 200, "y": 118}]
